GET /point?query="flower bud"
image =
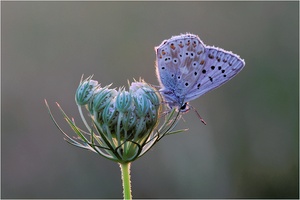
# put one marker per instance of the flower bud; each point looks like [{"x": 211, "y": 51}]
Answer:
[
  {"x": 102, "y": 97},
  {"x": 109, "y": 115},
  {"x": 141, "y": 102},
  {"x": 129, "y": 121},
  {"x": 85, "y": 91},
  {"x": 123, "y": 101}
]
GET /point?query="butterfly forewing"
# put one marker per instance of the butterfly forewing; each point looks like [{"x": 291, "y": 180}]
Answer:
[{"x": 178, "y": 63}]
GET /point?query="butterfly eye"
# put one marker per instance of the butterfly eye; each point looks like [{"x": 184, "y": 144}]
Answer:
[
  {"x": 183, "y": 107},
  {"x": 175, "y": 60}
]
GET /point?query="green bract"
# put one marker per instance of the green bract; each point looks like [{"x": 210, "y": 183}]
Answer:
[{"x": 122, "y": 125}]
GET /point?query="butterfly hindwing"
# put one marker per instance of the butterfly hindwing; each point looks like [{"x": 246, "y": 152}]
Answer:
[{"x": 220, "y": 67}]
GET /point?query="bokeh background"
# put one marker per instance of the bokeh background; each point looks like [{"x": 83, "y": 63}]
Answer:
[{"x": 249, "y": 147}]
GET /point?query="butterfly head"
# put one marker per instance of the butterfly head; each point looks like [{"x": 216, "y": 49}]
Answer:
[{"x": 184, "y": 108}]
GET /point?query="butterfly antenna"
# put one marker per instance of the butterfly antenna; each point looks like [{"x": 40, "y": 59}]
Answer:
[{"x": 202, "y": 120}]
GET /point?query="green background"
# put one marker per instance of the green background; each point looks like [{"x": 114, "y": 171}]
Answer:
[{"x": 249, "y": 147}]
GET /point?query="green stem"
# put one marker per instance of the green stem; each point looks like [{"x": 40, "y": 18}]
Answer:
[{"x": 125, "y": 170}]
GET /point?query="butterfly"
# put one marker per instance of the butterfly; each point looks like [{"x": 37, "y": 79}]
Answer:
[{"x": 187, "y": 68}]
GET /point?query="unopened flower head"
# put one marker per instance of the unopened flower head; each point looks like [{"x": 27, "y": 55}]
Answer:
[
  {"x": 122, "y": 125},
  {"x": 123, "y": 120},
  {"x": 127, "y": 114}
]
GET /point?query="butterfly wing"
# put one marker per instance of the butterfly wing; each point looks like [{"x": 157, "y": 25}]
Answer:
[
  {"x": 220, "y": 66},
  {"x": 178, "y": 62}
]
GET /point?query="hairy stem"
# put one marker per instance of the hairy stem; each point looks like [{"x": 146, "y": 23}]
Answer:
[{"x": 125, "y": 170}]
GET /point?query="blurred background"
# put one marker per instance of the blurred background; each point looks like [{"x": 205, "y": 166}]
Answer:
[{"x": 249, "y": 147}]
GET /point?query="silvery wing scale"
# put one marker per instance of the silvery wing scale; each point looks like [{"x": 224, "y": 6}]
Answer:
[{"x": 186, "y": 69}]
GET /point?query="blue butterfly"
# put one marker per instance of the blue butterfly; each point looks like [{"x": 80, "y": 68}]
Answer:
[{"x": 186, "y": 69}]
